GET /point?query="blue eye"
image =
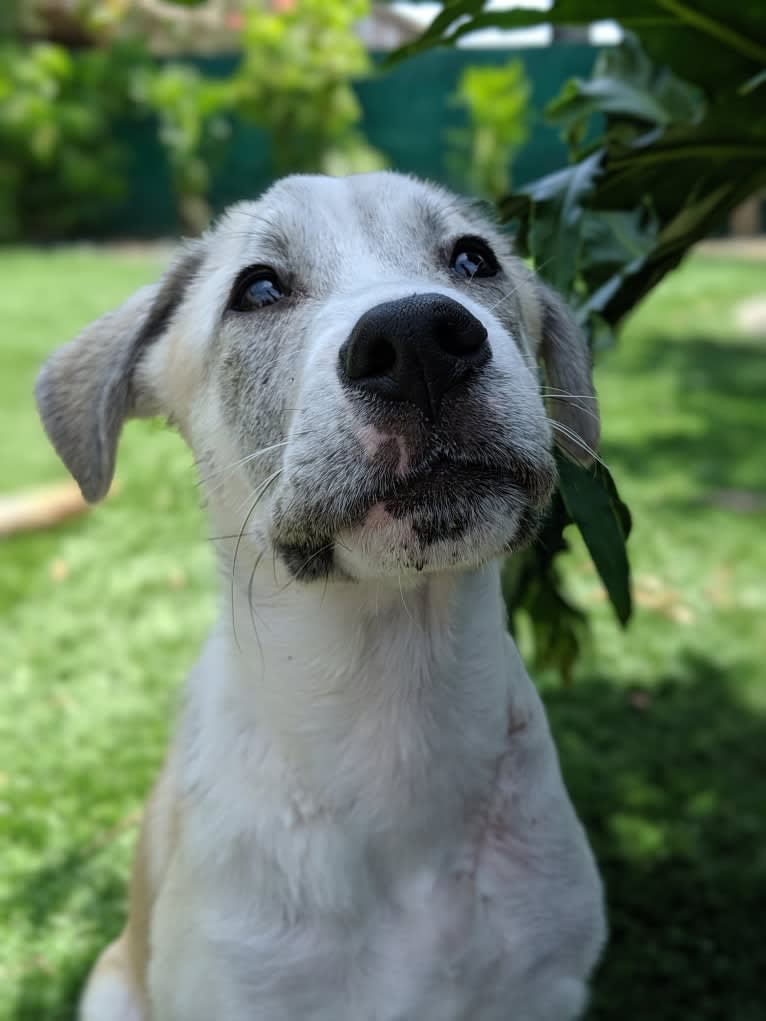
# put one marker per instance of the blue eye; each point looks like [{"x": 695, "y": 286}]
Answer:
[
  {"x": 256, "y": 288},
  {"x": 472, "y": 257}
]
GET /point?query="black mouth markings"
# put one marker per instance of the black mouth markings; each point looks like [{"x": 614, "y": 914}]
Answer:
[
  {"x": 444, "y": 500},
  {"x": 450, "y": 497},
  {"x": 431, "y": 531},
  {"x": 308, "y": 561},
  {"x": 527, "y": 529}
]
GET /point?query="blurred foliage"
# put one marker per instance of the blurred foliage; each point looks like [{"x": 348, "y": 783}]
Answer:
[
  {"x": 9, "y": 17},
  {"x": 496, "y": 100},
  {"x": 61, "y": 161},
  {"x": 192, "y": 127},
  {"x": 295, "y": 78},
  {"x": 666, "y": 138},
  {"x": 534, "y": 582}
]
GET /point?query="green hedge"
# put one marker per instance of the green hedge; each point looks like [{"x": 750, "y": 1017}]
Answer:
[{"x": 409, "y": 114}]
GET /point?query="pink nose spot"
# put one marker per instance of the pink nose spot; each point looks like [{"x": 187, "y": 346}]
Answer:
[{"x": 372, "y": 439}]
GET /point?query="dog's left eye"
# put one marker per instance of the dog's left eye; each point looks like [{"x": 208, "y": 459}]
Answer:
[
  {"x": 257, "y": 287},
  {"x": 472, "y": 257}
]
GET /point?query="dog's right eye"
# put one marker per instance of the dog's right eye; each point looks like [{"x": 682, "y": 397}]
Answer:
[{"x": 255, "y": 288}]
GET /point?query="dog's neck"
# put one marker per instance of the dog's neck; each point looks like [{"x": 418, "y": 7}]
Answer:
[{"x": 368, "y": 692}]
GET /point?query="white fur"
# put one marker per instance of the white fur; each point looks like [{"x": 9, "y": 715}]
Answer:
[{"x": 365, "y": 837}]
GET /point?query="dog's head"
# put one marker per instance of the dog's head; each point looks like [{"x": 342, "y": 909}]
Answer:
[{"x": 354, "y": 363}]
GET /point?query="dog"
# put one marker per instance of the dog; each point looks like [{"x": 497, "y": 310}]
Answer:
[{"x": 361, "y": 815}]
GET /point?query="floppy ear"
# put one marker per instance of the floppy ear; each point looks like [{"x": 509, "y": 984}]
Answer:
[
  {"x": 87, "y": 389},
  {"x": 570, "y": 396}
]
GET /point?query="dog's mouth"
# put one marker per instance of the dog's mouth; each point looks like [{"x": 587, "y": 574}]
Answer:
[
  {"x": 447, "y": 512},
  {"x": 444, "y": 499},
  {"x": 447, "y": 479}
]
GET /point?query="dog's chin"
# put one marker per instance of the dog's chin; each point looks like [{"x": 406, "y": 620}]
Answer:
[
  {"x": 404, "y": 548},
  {"x": 420, "y": 528},
  {"x": 446, "y": 516}
]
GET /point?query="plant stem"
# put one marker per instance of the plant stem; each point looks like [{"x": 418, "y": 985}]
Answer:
[{"x": 704, "y": 23}]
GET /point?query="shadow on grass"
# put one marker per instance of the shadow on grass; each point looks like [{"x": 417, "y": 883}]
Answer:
[
  {"x": 48, "y": 993},
  {"x": 720, "y": 382},
  {"x": 669, "y": 785}
]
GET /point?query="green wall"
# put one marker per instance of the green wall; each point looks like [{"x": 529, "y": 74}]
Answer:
[{"x": 408, "y": 114}]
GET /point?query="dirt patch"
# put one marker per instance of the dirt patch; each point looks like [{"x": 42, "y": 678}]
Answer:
[{"x": 740, "y": 248}]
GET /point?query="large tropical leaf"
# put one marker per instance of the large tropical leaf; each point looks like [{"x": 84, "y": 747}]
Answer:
[
  {"x": 667, "y": 137},
  {"x": 705, "y": 41},
  {"x": 663, "y": 174}
]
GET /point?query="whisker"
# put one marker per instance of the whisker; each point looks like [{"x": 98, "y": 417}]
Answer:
[
  {"x": 232, "y": 535},
  {"x": 566, "y": 431},
  {"x": 305, "y": 564},
  {"x": 219, "y": 485},
  {"x": 404, "y": 602},
  {"x": 253, "y": 613},
  {"x": 569, "y": 397},
  {"x": 264, "y": 486},
  {"x": 325, "y": 587},
  {"x": 554, "y": 390},
  {"x": 541, "y": 266},
  {"x": 544, "y": 263},
  {"x": 243, "y": 460},
  {"x": 472, "y": 277},
  {"x": 509, "y": 294},
  {"x": 504, "y": 297}
]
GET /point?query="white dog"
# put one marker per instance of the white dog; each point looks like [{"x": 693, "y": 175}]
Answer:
[{"x": 362, "y": 815}]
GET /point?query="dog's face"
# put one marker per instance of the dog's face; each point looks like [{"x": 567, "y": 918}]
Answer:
[{"x": 355, "y": 364}]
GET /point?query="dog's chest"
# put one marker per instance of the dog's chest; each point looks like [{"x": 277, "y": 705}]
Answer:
[
  {"x": 492, "y": 914},
  {"x": 505, "y": 927},
  {"x": 432, "y": 953},
  {"x": 457, "y": 947}
]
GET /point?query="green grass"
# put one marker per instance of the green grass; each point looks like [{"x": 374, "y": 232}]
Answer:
[{"x": 662, "y": 736}]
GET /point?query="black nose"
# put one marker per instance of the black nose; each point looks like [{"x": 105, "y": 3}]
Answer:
[{"x": 414, "y": 349}]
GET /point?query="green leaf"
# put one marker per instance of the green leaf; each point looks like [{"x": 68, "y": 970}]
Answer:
[
  {"x": 625, "y": 85},
  {"x": 707, "y": 42},
  {"x": 657, "y": 192},
  {"x": 699, "y": 40},
  {"x": 532, "y": 584},
  {"x": 598, "y": 331},
  {"x": 618, "y": 240},
  {"x": 592, "y": 501},
  {"x": 754, "y": 83},
  {"x": 556, "y": 205},
  {"x": 436, "y": 31},
  {"x": 606, "y": 95}
]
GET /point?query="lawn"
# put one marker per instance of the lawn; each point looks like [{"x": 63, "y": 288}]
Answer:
[{"x": 662, "y": 735}]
